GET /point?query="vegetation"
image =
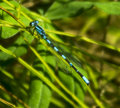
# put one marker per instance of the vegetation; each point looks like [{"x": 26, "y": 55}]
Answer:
[{"x": 33, "y": 75}]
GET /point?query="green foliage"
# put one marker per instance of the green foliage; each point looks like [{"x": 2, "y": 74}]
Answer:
[
  {"x": 33, "y": 75},
  {"x": 40, "y": 95},
  {"x": 60, "y": 10},
  {"x": 109, "y": 7}
]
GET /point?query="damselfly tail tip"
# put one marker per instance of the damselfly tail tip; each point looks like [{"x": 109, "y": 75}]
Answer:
[{"x": 86, "y": 80}]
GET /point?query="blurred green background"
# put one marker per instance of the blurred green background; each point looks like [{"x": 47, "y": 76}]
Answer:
[{"x": 86, "y": 31}]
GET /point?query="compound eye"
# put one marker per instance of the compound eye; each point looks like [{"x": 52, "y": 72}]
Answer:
[
  {"x": 36, "y": 22},
  {"x": 32, "y": 24}
]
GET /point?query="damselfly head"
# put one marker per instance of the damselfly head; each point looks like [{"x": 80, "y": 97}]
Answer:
[{"x": 34, "y": 23}]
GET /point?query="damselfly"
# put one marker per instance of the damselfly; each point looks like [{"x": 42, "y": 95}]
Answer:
[{"x": 41, "y": 32}]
